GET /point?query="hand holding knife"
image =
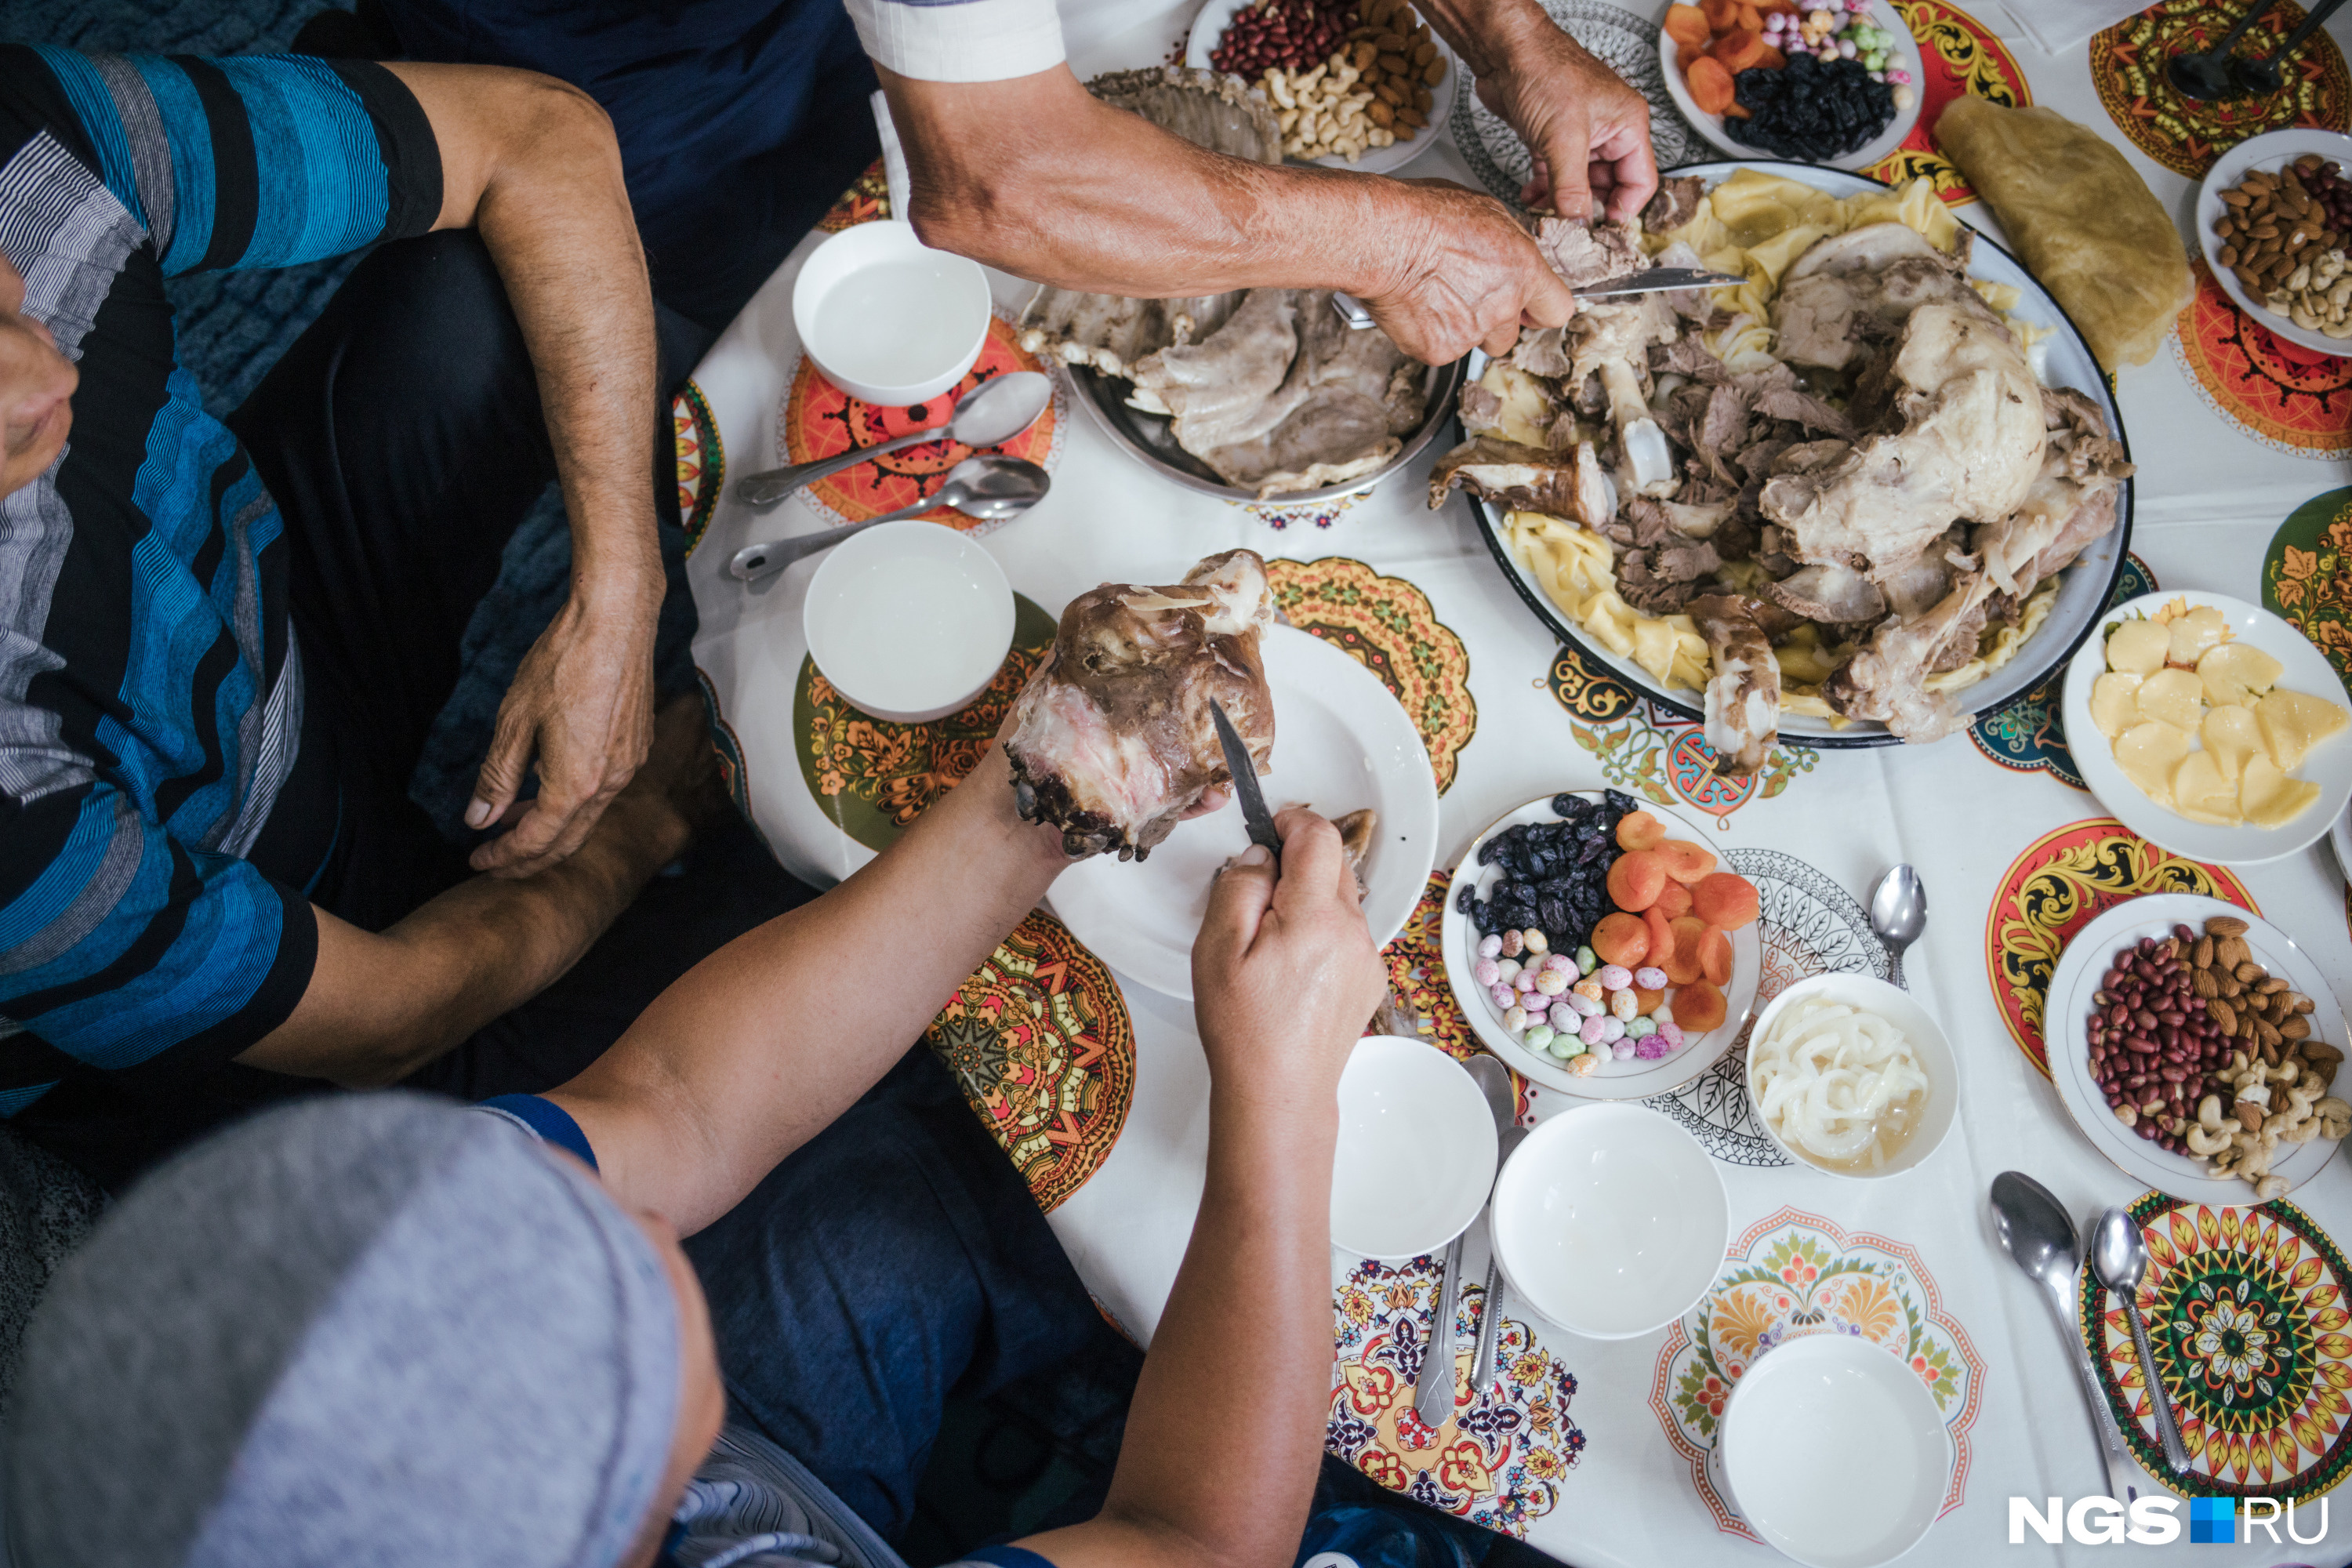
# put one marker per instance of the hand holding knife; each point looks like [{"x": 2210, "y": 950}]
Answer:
[{"x": 1245, "y": 785}]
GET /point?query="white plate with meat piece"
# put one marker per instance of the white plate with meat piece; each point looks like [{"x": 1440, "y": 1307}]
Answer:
[
  {"x": 2065, "y": 1034},
  {"x": 1612, "y": 1079},
  {"x": 2062, "y": 360},
  {"x": 1342, "y": 742},
  {"x": 2303, "y": 668}
]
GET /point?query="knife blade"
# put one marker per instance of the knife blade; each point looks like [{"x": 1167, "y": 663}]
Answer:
[
  {"x": 1658, "y": 280},
  {"x": 1245, "y": 785}
]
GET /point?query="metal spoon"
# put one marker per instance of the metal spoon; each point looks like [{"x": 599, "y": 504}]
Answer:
[
  {"x": 985, "y": 487},
  {"x": 2261, "y": 77},
  {"x": 1433, "y": 1396},
  {"x": 2040, "y": 1239},
  {"x": 1898, "y": 913},
  {"x": 2205, "y": 75},
  {"x": 2120, "y": 1259},
  {"x": 1495, "y": 1078},
  {"x": 996, "y": 411}
]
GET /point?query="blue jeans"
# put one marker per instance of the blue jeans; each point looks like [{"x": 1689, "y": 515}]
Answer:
[{"x": 895, "y": 1259}]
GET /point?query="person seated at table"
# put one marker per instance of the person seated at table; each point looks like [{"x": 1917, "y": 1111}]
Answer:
[
  {"x": 387, "y": 1328},
  {"x": 224, "y": 646},
  {"x": 741, "y": 120}
]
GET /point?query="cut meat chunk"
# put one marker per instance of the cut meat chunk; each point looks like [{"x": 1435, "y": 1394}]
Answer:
[
  {"x": 1743, "y": 698},
  {"x": 1584, "y": 253},
  {"x": 1558, "y": 484},
  {"x": 1674, "y": 204},
  {"x": 1112, "y": 740}
]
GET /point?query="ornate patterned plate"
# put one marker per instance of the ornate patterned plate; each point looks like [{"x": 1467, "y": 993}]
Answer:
[
  {"x": 1634, "y": 1079},
  {"x": 1959, "y": 55},
  {"x": 2088, "y": 953},
  {"x": 1387, "y": 626},
  {"x": 1796, "y": 1274},
  {"x": 2247, "y": 1314},
  {"x": 1499, "y": 1459},
  {"x": 2058, "y": 885},
  {"x": 2185, "y": 136},
  {"x": 1494, "y": 151},
  {"x": 1809, "y": 926},
  {"x": 2288, "y": 398},
  {"x": 2307, "y": 576}
]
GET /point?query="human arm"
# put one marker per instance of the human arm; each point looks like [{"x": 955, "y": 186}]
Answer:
[
  {"x": 1285, "y": 972},
  {"x": 1590, "y": 131},
  {"x": 1146, "y": 213},
  {"x": 531, "y": 164}
]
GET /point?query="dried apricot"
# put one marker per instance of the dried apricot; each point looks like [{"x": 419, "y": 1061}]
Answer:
[
  {"x": 1698, "y": 1007},
  {"x": 1685, "y": 861},
  {"x": 1639, "y": 830},
  {"x": 1647, "y": 1000},
  {"x": 1675, "y": 898},
  {"x": 1682, "y": 965},
  {"x": 1722, "y": 16},
  {"x": 1621, "y": 939},
  {"x": 1686, "y": 25},
  {"x": 1662, "y": 936},
  {"x": 1715, "y": 956},
  {"x": 1710, "y": 85},
  {"x": 1724, "y": 899},
  {"x": 1738, "y": 49},
  {"x": 1635, "y": 879}
]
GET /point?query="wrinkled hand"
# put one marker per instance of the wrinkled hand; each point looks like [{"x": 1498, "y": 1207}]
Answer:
[
  {"x": 1590, "y": 131},
  {"x": 1465, "y": 275},
  {"x": 581, "y": 707},
  {"x": 1284, "y": 971}
]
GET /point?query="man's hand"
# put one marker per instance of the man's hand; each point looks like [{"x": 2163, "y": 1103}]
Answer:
[
  {"x": 1284, "y": 971},
  {"x": 581, "y": 706},
  {"x": 1466, "y": 276},
  {"x": 1590, "y": 131}
]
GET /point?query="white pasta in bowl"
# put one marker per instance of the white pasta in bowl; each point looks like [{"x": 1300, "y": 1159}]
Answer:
[{"x": 1850, "y": 1076}]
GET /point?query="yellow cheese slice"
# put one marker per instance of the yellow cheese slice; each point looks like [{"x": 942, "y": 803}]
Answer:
[
  {"x": 2115, "y": 703},
  {"x": 2202, "y": 629},
  {"x": 2138, "y": 648},
  {"x": 2148, "y": 753},
  {"x": 2237, "y": 673},
  {"x": 2268, "y": 797},
  {"x": 2173, "y": 697},
  {"x": 2230, "y": 737},
  {"x": 2293, "y": 723},
  {"x": 2201, "y": 794}
]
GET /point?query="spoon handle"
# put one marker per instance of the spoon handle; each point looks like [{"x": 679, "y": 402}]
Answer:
[
  {"x": 1432, "y": 1398},
  {"x": 762, "y": 490},
  {"x": 1894, "y": 968},
  {"x": 2230, "y": 39},
  {"x": 2167, "y": 1430},
  {"x": 754, "y": 562},
  {"x": 2123, "y": 1484},
  {"x": 2319, "y": 14}
]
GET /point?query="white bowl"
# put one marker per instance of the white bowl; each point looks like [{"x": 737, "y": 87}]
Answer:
[
  {"x": 1610, "y": 1221},
  {"x": 1904, "y": 57},
  {"x": 886, "y": 318},
  {"x": 1416, "y": 1155},
  {"x": 2329, "y": 765},
  {"x": 1867, "y": 992},
  {"x": 1209, "y": 26},
  {"x": 1835, "y": 1453},
  {"x": 909, "y": 621},
  {"x": 2268, "y": 153}
]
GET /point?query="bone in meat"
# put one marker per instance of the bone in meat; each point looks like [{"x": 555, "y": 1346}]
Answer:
[
  {"x": 1743, "y": 696},
  {"x": 1112, "y": 740},
  {"x": 1558, "y": 484}
]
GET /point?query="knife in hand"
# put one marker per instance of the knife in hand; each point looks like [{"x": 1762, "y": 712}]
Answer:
[{"x": 1245, "y": 787}]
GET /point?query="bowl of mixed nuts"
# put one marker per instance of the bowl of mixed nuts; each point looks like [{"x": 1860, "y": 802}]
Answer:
[
  {"x": 1357, "y": 84},
  {"x": 2197, "y": 1048},
  {"x": 2274, "y": 218}
]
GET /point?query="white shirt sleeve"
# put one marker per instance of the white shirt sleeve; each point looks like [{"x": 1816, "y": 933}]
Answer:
[{"x": 960, "y": 40}]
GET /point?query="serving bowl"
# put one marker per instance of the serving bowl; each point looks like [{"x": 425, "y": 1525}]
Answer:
[
  {"x": 1610, "y": 1221},
  {"x": 886, "y": 318},
  {"x": 1416, "y": 1152},
  {"x": 1904, "y": 56},
  {"x": 2265, "y": 154},
  {"x": 1866, "y": 993},
  {"x": 1148, "y": 438},
  {"x": 1834, "y": 1452},
  {"x": 909, "y": 621},
  {"x": 2083, "y": 589},
  {"x": 1209, "y": 26}
]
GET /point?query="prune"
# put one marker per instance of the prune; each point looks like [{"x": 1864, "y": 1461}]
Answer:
[
  {"x": 1554, "y": 873},
  {"x": 1810, "y": 110}
]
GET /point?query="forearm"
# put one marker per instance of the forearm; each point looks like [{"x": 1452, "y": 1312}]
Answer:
[
  {"x": 380, "y": 1006},
  {"x": 1486, "y": 33},
  {"x": 1244, "y": 1349},
  {"x": 768, "y": 1040},
  {"x": 1066, "y": 190}
]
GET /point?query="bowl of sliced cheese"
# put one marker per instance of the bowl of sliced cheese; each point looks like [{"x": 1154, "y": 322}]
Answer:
[{"x": 2210, "y": 727}]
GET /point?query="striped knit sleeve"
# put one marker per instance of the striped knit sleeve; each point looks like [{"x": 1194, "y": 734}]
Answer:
[{"x": 254, "y": 161}]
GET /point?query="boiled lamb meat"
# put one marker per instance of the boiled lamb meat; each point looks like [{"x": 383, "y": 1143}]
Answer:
[{"x": 1112, "y": 740}]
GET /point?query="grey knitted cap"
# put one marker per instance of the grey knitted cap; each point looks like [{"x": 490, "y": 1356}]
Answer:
[{"x": 365, "y": 1332}]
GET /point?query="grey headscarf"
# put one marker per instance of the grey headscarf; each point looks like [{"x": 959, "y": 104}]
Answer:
[{"x": 369, "y": 1330}]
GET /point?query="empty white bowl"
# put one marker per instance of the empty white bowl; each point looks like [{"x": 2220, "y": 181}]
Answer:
[
  {"x": 1867, "y": 994},
  {"x": 1834, "y": 1452},
  {"x": 886, "y": 318},
  {"x": 1610, "y": 1221},
  {"x": 909, "y": 621},
  {"x": 1416, "y": 1152}
]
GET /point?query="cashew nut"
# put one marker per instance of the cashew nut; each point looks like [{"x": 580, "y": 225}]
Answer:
[
  {"x": 2208, "y": 1115},
  {"x": 2270, "y": 1187},
  {"x": 2205, "y": 1140}
]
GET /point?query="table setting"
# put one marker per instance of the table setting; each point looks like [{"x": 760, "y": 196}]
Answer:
[{"x": 1784, "y": 1140}]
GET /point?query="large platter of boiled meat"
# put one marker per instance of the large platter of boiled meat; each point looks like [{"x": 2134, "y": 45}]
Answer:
[{"x": 1843, "y": 529}]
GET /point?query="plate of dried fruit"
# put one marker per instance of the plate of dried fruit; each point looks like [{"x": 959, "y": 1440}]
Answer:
[{"x": 2217, "y": 1105}]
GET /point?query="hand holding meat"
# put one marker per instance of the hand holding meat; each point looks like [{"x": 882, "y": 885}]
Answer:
[
  {"x": 1464, "y": 276},
  {"x": 1590, "y": 131},
  {"x": 1112, "y": 740}
]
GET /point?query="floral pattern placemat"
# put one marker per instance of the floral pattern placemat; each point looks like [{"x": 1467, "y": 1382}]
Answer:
[
  {"x": 2184, "y": 135},
  {"x": 2307, "y": 575}
]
